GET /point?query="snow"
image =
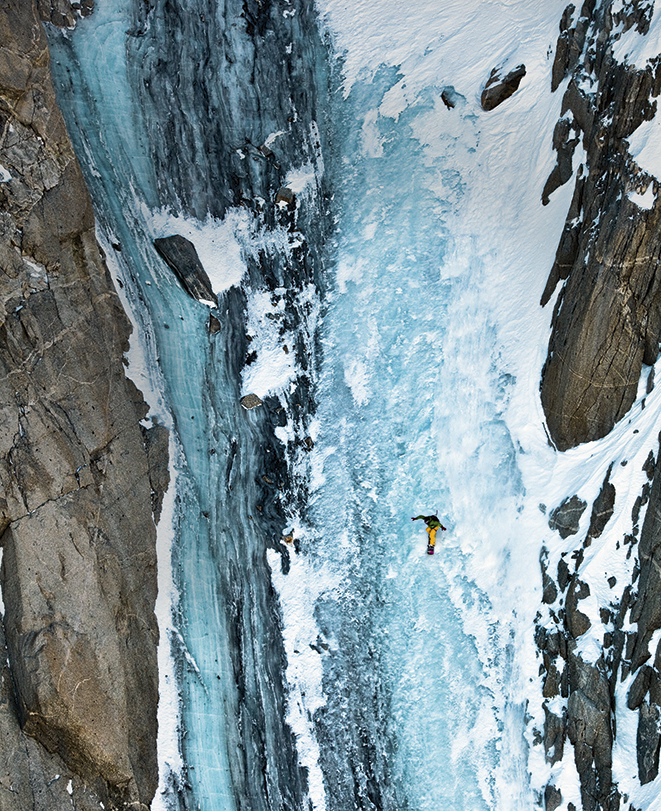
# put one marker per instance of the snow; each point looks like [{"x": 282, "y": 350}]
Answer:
[
  {"x": 635, "y": 49},
  {"x": 643, "y": 146},
  {"x": 645, "y": 200},
  {"x": 275, "y": 366},
  {"x": 298, "y": 590},
  {"x": 5, "y": 174}
]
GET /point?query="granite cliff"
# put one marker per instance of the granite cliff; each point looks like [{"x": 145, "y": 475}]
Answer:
[
  {"x": 76, "y": 493},
  {"x": 606, "y": 326},
  {"x": 607, "y": 318}
]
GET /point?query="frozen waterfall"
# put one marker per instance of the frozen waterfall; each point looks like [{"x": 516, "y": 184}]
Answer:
[{"x": 390, "y": 324}]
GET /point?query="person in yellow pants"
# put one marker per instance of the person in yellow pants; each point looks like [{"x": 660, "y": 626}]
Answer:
[{"x": 433, "y": 525}]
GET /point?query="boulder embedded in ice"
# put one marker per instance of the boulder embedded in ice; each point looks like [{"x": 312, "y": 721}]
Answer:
[
  {"x": 498, "y": 89},
  {"x": 180, "y": 255},
  {"x": 214, "y": 324},
  {"x": 449, "y": 97},
  {"x": 249, "y": 401}
]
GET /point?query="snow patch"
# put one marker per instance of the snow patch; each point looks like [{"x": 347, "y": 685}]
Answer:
[
  {"x": 298, "y": 592},
  {"x": 636, "y": 49},
  {"x": 645, "y": 200},
  {"x": 644, "y": 146}
]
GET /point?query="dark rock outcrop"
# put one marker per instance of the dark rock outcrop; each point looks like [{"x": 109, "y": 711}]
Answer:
[
  {"x": 566, "y": 516},
  {"x": 499, "y": 88},
  {"x": 648, "y": 740},
  {"x": 180, "y": 255},
  {"x": 63, "y": 13},
  {"x": 590, "y": 688},
  {"x": 589, "y": 730},
  {"x": 607, "y": 320},
  {"x": 647, "y": 609},
  {"x": 79, "y": 565}
]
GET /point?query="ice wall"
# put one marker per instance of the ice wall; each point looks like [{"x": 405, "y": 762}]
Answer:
[{"x": 166, "y": 124}]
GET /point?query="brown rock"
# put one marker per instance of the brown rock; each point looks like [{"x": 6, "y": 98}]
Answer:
[
  {"x": 79, "y": 566},
  {"x": 498, "y": 88},
  {"x": 249, "y": 401}
]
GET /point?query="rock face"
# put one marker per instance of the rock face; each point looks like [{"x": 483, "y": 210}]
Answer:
[
  {"x": 590, "y": 688},
  {"x": 607, "y": 318},
  {"x": 79, "y": 564}
]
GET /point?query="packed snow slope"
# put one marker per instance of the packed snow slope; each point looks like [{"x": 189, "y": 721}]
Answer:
[{"x": 380, "y": 244}]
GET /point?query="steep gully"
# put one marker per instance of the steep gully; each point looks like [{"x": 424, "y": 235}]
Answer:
[{"x": 103, "y": 769}]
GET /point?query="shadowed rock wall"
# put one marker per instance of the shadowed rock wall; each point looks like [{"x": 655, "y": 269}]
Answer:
[
  {"x": 607, "y": 319},
  {"x": 76, "y": 527}
]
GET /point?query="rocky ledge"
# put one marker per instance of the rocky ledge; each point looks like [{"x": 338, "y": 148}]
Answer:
[
  {"x": 591, "y": 689},
  {"x": 76, "y": 484}
]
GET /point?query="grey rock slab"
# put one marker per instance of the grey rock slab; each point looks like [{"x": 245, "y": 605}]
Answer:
[
  {"x": 181, "y": 256},
  {"x": 79, "y": 565},
  {"x": 648, "y": 741}
]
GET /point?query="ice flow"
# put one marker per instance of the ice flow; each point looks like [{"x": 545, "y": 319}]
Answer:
[{"x": 347, "y": 669}]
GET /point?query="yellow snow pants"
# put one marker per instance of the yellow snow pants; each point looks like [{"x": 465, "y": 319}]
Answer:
[{"x": 431, "y": 531}]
